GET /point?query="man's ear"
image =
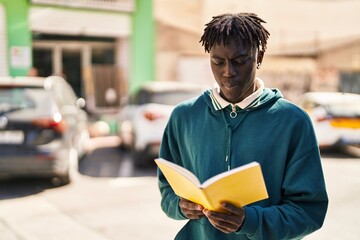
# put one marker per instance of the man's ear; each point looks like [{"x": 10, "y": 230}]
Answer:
[{"x": 260, "y": 56}]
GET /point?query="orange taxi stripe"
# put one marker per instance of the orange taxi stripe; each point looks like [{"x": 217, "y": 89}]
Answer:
[{"x": 346, "y": 122}]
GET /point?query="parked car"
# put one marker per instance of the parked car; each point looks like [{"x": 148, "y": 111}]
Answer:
[
  {"x": 335, "y": 116},
  {"x": 43, "y": 128},
  {"x": 143, "y": 120}
]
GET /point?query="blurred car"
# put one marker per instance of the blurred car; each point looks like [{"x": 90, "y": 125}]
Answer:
[
  {"x": 43, "y": 128},
  {"x": 143, "y": 120},
  {"x": 335, "y": 116}
]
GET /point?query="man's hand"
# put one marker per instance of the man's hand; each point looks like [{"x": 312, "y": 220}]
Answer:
[
  {"x": 226, "y": 222},
  {"x": 190, "y": 209}
]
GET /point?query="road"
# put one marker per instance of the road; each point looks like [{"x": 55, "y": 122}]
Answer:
[
  {"x": 342, "y": 176},
  {"x": 112, "y": 200}
]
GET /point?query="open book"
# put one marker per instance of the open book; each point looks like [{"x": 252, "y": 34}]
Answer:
[{"x": 240, "y": 186}]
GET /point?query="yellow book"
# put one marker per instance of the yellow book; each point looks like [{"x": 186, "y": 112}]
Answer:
[{"x": 240, "y": 186}]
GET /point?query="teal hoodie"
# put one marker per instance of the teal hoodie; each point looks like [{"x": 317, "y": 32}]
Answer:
[{"x": 275, "y": 133}]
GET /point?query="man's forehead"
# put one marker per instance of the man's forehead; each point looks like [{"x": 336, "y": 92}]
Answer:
[{"x": 233, "y": 47}]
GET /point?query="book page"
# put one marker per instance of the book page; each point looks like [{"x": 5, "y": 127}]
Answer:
[
  {"x": 223, "y": 174},
  {"x": 240, "y": 187},
  {"x": 182, "y": 181},
  {"x": 183, "y": 171}
]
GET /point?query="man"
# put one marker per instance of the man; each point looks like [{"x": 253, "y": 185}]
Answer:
[{"x": 237, "y": 122}]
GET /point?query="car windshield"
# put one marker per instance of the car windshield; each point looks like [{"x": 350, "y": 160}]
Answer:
[
  {"x": 344, "y": 109},
  {"x": 14, "y": 99},
  {"x": 168, "y": 98}
]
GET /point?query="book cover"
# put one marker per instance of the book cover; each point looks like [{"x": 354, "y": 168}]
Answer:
[{"x": 240, "y": 186}]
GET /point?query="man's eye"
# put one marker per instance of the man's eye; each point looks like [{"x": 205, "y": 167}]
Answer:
[
  {"x": 218, "y": 62},
  {"x": 241, "y": 60}
]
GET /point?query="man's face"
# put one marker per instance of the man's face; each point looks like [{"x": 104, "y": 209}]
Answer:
[{"x": 234, "y": 68}]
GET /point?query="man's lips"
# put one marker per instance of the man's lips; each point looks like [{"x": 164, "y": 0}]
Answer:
[{"x": 231, "y": 84}]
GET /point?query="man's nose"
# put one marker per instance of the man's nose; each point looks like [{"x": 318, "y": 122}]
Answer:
[{"x": 229, "y": 70}]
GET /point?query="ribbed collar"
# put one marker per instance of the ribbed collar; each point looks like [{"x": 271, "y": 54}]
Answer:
[{"x": 251, "y": 101}]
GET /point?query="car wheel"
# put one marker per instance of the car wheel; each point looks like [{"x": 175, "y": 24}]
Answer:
[
  {"x": 140, "y": 158},
  {"x": 63, "y": 180}
]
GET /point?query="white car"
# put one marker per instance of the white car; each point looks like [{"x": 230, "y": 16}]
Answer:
[
  {"x": 335, "y": 116},
  {"x": 143, "y": 120}
]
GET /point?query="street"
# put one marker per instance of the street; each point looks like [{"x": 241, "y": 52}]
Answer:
[
  {"x": 343, "y": 185},
  {"x": 112, "y": 200}
]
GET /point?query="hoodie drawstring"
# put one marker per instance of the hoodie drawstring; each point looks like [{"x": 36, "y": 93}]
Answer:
[{"x": 230, "y": 132}]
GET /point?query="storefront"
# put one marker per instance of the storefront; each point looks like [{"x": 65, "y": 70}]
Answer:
[
  {"x": 89, "y": 48},
  {"x": 98, "y": 46}
]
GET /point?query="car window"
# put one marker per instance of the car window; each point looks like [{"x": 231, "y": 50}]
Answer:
[
  {"x": 344, "y": 109},
  {"x": 35, "y": 99},
  {"x": 12, "y": 99}
]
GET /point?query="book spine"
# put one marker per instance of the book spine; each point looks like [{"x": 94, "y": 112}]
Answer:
[{"x": 211, "y": 205}]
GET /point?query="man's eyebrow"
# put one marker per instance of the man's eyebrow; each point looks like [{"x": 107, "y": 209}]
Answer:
[{"x": 240, "y": 55}]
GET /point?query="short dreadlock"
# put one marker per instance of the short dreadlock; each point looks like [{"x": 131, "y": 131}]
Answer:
[{"x": 243, "y": 27}]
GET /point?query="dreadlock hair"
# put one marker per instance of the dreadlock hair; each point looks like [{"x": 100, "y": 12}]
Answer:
[{"x": 242, "y": 27}]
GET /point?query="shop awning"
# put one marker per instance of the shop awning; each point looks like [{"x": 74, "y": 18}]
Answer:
[{"x": 52, "y": 20}]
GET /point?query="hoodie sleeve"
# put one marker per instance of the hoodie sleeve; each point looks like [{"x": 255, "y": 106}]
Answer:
[{"x": 169, "y": 151}]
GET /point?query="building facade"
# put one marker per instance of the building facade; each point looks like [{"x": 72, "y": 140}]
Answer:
[{"x": 98, "y": 46}]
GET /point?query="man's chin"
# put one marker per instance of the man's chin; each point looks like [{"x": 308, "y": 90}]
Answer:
[{"x": 231, "y": 94}]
